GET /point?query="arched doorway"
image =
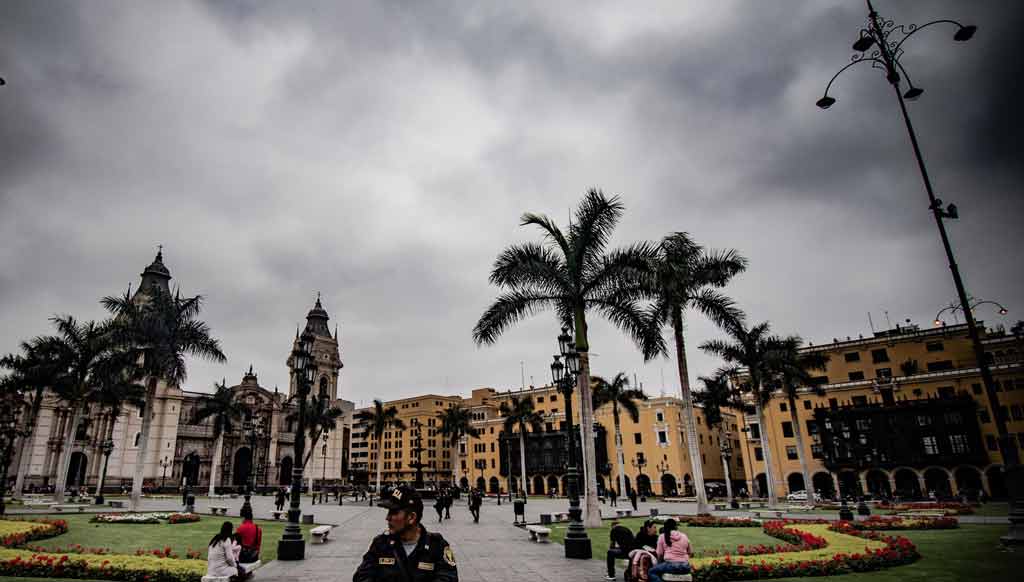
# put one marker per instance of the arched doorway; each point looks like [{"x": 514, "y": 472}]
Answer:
[
  {"x": 190, "y": 469},
  {"x": 495, "y": 486},
  {"x": 761, "y": 485},
  {"x": 513, "y": 485},
  {"x": 481, "y": 484},
  {"x": 241, "y": 467},
  {"x": 464, "y": 483},
  {"x": 629, "y": 486},
  {"x": 643, "y": 483},
  {"x": 538, "y": 485},
  {"x": 908, "y": 485},
  {"x": 565, "y": 486},
  {"x": 968, "y": 482},
  {"x": 76, "y": 470},
  {"x": 823, "y": 485},
  {"x": 553, "y": 484},
  {"x": 688, "y": 484},
  {"x": 937, "y": 481},
  {"x": 996, "y": 482},
  {"x": 878, "y": 483},
  {"x": 849, "y": 486},
  {"x": 795, "y": 482},
  {"x": 285, "y": 474},
  {"x": 668, "y": 485}
]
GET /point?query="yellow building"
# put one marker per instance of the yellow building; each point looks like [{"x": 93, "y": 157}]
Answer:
[{"x": 902, "y": 412}]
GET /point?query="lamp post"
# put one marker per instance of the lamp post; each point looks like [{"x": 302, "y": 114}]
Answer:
[
  {"x": 887, "y": 38},
  {"x": 323, "y": 458},
  {"x": 254, "y": 430},
  {"x": 639, "y": 463},
  {"x": 164, "y": 464},
  {"x": 725, "y": 451},
  {"x": 973, "y": 304},
  {"x": 9, "y": 431},
  {"x": 577, "y": 544},
  {"x": 107, "y": 447},
  {"x": 292, "y": 546},
  {"x": 663, "y": 467}
]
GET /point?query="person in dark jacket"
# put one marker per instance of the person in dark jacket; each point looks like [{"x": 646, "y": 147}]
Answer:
[
  {"x": 475, "y": 501},
  {"x": 407, "y": 552},
  {"x": 622, "y": 542}
]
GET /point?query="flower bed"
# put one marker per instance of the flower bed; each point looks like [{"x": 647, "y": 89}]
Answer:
[
  {"x": 145, "y": 518},
  {"x": 950, "y": 507},
  {"x": 712, "y": 521},
  {"x": 16, "y": 533},
  {"x": 844, "y": 552},
  {"x": 878, "y": 523},
  {"x": 124, "y": 568}
]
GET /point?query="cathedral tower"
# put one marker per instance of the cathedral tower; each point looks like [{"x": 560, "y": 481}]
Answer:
[{"x": 326, "y": 355}]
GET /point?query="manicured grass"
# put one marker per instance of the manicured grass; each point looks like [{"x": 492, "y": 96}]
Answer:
[
  {"x": 968, "y": 553},
  {"x": 702, "y": 539},
  {"x": 122, "y": 538}
]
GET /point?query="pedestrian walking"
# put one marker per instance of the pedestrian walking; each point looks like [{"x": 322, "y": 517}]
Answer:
[
  {"x": 439, "y": 508},
  {"x": 613, "y": 496},
  {"x": 279, "y": 499},
  {"x": 447, "y": 503},
  {"x": 475, "y": 501},
  {"x": 407, "y": 552},
  {"x": 632, "y": 498}
]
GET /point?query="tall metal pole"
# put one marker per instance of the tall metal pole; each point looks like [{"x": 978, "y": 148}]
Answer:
[
  {"x": 577, "y": 543},
  {"x": 291, "y": 545}
]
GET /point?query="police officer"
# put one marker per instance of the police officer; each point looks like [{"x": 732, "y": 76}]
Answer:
[{"x": 407, "y": 552}]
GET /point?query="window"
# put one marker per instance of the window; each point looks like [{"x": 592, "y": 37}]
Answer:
[
  {"x": 138, "y": 435},
  {"x": 791, "y": 453},
  {"x": 638, "y": 438},
  {"x": 860, "y": 400},
  {"x": 883, "y": 372},
  {"x": 787, "y": 429},
  {"x": 934, "y": 346},
  {"x": 930, "y": 446},
  {"x": 660, "y": 416},
  {"x": 991, "y": 443},
  {"x": 816, "y": 451},
  {"x": 758, "y": 454},
  {"x": 923, "y": 420},
  {"x": 701, "y": 436},
  {"x": 818, "y": 380},
  {"x": 879, "y": 356},
  {"x": 492, "y": 447},
  {"x": 812, "y": 427},
  {"x": 856, "y": 376},
  {"x": 958, "y": 444},
  {"x": 755, "y": 431},
  {"x": 807, "y": 404},
  {"x": 782, "y": 407},
  {"x": 554, "y": 398},
  {"x": 984, "y": 417},
  {"x": 946, "y": 392},
  {"x": 852, "y": 356},
  {"x": 940, "y": 365},
  {"x": 953, "y": 417},
  {"x": 662, "y": 437},
  {"x": 540, "y": 399},
  {"x": 1017, "y": 412},
  {"x": 833, "y": 403}
]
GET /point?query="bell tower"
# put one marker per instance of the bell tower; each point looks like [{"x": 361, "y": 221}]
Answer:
[{"x": 326, "y": 354}]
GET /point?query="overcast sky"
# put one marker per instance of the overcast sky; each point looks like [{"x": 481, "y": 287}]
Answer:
[{"x": 382, "y": 153}]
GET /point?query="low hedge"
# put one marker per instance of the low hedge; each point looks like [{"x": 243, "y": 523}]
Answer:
[
  {"x": 878, "y": 523},
  {"x": 117, "y": 567},
  {"x": 15, "y": 533}
]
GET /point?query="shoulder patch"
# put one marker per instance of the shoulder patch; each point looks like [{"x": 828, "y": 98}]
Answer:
[{"x": 449, "y": 556}]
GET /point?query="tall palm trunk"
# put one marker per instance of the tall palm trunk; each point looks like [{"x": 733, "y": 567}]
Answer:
[
  {"x": 522, "y": 460},
  {"x": 65, "y": 455},
  {"x": 380, "y": 459},
  {"x": 808, "y": 485},
  {"x": 619, "y": 456},
  {"x": 218, "y": 450},
  {"x": 456, "y": 462},
  {"x": 140, "y": 460},
  {"x": 725, "y": 467},
  {"x": 26, "y": 445},
  {"x": 691, "y": 421},
  {"x": 766, "y": 449},
  {"x": 593, "y": 514}
]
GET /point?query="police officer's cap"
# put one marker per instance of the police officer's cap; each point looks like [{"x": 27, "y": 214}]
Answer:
[{"x": 404, "y": 499}]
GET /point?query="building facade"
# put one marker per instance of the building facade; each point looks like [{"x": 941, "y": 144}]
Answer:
[
  {"x": 902, "y": 412},
  {"x": 181, "y": 447}
]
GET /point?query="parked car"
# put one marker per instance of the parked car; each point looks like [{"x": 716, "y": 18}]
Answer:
[{"x": 802, "y": 496}]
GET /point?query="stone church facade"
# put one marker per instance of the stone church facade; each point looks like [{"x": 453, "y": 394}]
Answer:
[{"x": 180, "y": 448}]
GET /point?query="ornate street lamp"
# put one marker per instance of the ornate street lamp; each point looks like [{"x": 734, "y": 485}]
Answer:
[
  {"x": 973, "y": 304},
  {"x": 292, "y": 546},
  {"x": 639, "y": 463},
  {"x": 884, "y": 38},
  {"x": 577, "y": 544},
  {"x": 107, "y": 447},
  {"x": 725, "y": 451},
  {"x": 323, "y": 457},
  {"x": 255, "y": 430},
  {"x": 164, "y": 464}
]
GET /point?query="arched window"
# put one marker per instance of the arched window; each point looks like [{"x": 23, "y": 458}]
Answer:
[
  {"x": 138, "y": 436},
  {"x": 323, "y": 386}
]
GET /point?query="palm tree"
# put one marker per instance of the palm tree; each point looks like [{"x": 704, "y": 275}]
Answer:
[
  {"x": 161, "y": 329},
  {"x": 716, "y": 395},
  {"x": 456, "y": 422},
  {"x": 33, "y": 373},
  {"x": 753, "y": 348},
  {"x": 687, "y": 277},
  {"x": 381, "y": 419},
  {"x": 519, "y": 413},
  {"x": 225, "y": 410},
  {"x": 12, "y": 404},
  {"x": 572, "y": 274},
  {"x": 321, "y": 418},
  {"x": 84, "y": 353},
  {"x": 619, "y": 393},
  {"x": 793, "y": 373}
]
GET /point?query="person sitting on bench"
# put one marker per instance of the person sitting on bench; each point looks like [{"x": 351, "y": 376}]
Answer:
[{"x": 250, "y": 536}]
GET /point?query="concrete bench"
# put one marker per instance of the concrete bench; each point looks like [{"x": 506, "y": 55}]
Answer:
[
  {"x": 677, "y": 577},
  {"x": 545, "y": 518},
  {"x": 721, "y": 507},
  {"x": 321, "y": 533},
  {"x": 562, "y": 516},
  {"x": 539, "y": 533},
  {"x": 799, "y": 508},
  {"x": 40, "y": 504},
  {"x": 762, "y": 513},
  {"x": 80, "y": 508},
  {"x": 116, "y": 503},
  {"x": 221, "y": 509},
  {"x": 623, "y": 513},
  {"x": 277, "y": 514}
]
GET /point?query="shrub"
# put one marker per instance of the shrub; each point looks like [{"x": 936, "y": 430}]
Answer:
[
  {"x": 706, "y": 520},
  {"x": 124, "y": 568},
  {"x": 183, "y": 518},
  {"x": 15, "y": 533}
]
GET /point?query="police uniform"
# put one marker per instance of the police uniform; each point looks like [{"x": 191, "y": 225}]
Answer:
[{"x": 432, "y": 560}]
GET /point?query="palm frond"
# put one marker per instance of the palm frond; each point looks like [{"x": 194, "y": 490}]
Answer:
[
  {"x": 508, "y": 309},
  {"x": 532, "y": 267}
]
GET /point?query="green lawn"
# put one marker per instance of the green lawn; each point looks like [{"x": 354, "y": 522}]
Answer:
[
  {"x": 126, "y": 538},
  {"x": 703, "y": 539}
]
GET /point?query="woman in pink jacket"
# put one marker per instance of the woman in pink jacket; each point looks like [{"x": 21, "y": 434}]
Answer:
[{"x": 673, "y": 553}]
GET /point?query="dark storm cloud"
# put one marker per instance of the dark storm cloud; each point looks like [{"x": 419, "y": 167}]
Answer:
[{"x": 381, "y": 154}]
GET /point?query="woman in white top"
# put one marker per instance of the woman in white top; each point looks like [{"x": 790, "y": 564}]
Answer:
[{"x": 220, "y": 559}]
